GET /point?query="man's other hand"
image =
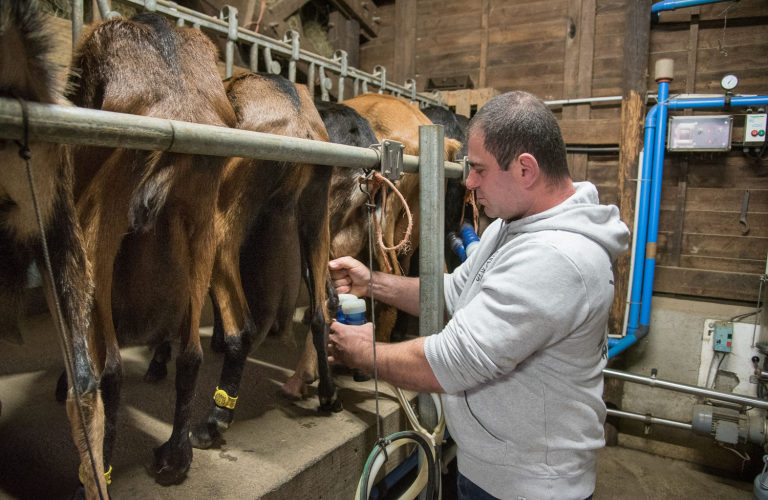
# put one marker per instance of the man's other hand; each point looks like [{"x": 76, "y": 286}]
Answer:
[
  {"x": 351, "y": 345},
  {"x": 350, "y": 276}
]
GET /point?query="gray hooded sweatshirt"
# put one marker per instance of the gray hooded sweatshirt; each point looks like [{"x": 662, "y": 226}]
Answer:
[{"x": 521, "y": 359}]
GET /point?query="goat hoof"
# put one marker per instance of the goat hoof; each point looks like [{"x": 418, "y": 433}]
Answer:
[
  {"x": 62, "y": 386},
  {"x": 210, "y": 430},
  {"x": 156, "y": 372},
  {"x": 359, "y": 376},
  {"x": 331, "y": 406},
  {"x": 171, "y": 465},
  {"x": 294, "y": 388}
]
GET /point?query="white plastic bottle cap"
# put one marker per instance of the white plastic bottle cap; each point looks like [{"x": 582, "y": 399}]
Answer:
[
  {"x": 344, "y": 297},
  {"x": 356, "y": 306},
  {"x": 472, "y": 247}
]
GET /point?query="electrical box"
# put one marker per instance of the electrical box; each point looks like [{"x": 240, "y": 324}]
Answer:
[
  {"x": 699, "y": 133},
  {"x": 754, "y": 129},
  {"x": 722, "y": 339}
]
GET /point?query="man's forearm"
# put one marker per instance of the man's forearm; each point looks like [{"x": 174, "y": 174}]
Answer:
[
  {"x": 399, "y": 291},
  {"x": 403, "y": 365}
]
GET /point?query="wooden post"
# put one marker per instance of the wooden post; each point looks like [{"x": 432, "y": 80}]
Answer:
[
  {"x": 638, "y": 30},
  {"x": 405, "y": 41}
]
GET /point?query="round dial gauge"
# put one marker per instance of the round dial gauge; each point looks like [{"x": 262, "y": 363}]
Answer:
[{"x": 729, "y": 82}]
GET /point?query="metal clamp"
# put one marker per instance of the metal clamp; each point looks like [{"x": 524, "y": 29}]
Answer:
[
  {"x": 410, "y": 83},
  {"x": 229, "y": 14},
  {"x": 292, "y": 37},
  {"x": 436, "y": 94},
  {"x": 325, "y": 83},
  {"x": 381, "y": 72},
  {"x": 391, "y": 159},
  {"x": 340, "y": 56},
  {"x": 465, "y": 167},
  {"x": 273, "y": 67}
]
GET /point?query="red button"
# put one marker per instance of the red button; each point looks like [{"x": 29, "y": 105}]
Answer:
[
  {"x": 754, "y": 133},
  {"x": 729, "y": 344}
]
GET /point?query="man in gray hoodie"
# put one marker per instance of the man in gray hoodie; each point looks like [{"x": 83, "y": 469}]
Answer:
[{"x": 520, "y": 362}]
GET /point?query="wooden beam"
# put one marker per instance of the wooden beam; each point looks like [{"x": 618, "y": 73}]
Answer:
[
  {"x": 464, "y": 103},
  {"x": 597, "y": 131},
  {"x": 364, "y": 12},
  {"x": 705, "y": 283},
  {"x": 635, "y": 68},
  {"x": 344, "y": 34},
  {"x": 484, "y": 45},
  {"x": 677, "y": 238},
  {"x": 405, "y": 41}
]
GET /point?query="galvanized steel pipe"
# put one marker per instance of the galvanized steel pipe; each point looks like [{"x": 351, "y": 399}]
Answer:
[
  {"x": 687, "y": 389},
  {"x": 649, "y": 419},
  {"x": 90, "y": 127},
  {"x": 431, "y": 253}
]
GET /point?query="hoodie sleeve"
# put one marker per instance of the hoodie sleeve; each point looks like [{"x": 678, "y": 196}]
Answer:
[{"x": 531, "y": 298}]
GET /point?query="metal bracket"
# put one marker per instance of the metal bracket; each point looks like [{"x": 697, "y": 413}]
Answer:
[
  {"x": 391, "y": 159},
  {"x": 410, "y": 83},
  {"x": 466, "y": 167},
  {"x": 381, "y": 72}
]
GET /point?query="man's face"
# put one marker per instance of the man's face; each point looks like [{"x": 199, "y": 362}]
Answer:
[{"x": 497, "y": 190}]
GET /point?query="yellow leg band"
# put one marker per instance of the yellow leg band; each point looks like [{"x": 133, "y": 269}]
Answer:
[
  {"x": 107, "y": 475},
  {"x": 224, "y": 400}
]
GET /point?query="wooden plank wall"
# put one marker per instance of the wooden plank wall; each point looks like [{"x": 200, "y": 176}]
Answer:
[{"x": 531, "y": 45}]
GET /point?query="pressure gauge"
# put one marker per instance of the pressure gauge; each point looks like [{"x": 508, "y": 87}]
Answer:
[{"x": 729, "y": 82}]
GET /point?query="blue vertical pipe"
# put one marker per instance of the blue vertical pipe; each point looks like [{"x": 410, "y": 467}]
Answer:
[
  {"x": 654, "y": 213},
  {"x": 646, "y": 172},
  {"x": 642, "y": 222}
]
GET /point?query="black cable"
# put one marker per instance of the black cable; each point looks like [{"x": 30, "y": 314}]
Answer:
[{"x": 740, "y": 317}]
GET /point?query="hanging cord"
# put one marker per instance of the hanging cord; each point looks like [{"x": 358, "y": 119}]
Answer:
[
  {"x": 721, "y": 42},
  {"x": 469, "y": 197},
  {"x": 380, "y": 439},
  {"x": 258, "y": 21},
  {"x": 376, "y": 182},
  {"x": 26, "y": 155}
]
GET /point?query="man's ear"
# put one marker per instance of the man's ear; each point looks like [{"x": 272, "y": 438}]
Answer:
[{"x": 529, "y": 169}]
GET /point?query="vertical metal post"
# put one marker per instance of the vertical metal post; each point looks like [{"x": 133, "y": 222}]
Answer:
[
  {"x": 365, "y": 86},
  {"x": 324, "y": 83},
  {"x": 254, "y": 59},
  {"x": 341, "y": 56},
  {"x": 292, "y": 37},
  {"x": 431, "y": 253},
  {"x": 311, "y": 79},
  {"x": 356, "y": 87},
  {"x": 77, "y": 20},
  {"x": 229, "y": 13}
]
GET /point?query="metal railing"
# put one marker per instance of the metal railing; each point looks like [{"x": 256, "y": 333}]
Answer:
[{"x": 289, "y": 48}]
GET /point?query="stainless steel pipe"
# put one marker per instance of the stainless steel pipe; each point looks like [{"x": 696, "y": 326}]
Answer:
[
  {"x": 89, "y": 127},
  {"x": 649, "y": 419},
  {"x": 687, "y": 389}
]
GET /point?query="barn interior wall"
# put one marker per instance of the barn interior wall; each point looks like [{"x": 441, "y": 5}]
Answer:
[{"x": 706, "y": 267}]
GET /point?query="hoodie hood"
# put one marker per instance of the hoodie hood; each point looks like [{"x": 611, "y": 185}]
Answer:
[{"x": 583, "y": 214}]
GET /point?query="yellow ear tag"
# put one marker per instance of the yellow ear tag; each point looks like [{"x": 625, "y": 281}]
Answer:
[
  {"x": 107, "y": 475},
  {"x": 222, "y": 399}
]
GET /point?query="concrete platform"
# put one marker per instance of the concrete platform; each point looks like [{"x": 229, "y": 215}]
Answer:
[{"x": 275, "y": 450}]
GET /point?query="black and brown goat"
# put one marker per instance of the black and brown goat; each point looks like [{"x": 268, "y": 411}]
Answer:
[
  {"x": 148, "y": 217},
  {"x": 280, "y": 210},
  {"x": 26, "y": 74}
]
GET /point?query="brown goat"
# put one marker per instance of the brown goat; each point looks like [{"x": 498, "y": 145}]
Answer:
[
  {"x": 148, "y": 217},
  {"x": 273, "y": 205},
  {"x": 390, "y": 118},
  {"x": 26, "y": 74}
]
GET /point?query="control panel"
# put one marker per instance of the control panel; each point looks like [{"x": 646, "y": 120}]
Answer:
[
  {"x": 722, "y": 339},
  {"x": 699, "y": 133},
  {"x": 754, "y": 129}
]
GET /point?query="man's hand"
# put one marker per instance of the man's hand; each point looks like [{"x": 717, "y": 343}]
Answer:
[
  {"x": 351, "y": 345},
  {"x": 350, "y": 276}
]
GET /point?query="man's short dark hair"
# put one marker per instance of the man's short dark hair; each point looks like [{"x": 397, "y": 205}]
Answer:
[{"x": 518, "y": 122}]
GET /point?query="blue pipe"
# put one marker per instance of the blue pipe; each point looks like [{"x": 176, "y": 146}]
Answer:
[
  {"x": 678, "y": 4},
  {"x": 654, "y": 213},
  {"x": 655, "y": 123},
  {"x": 642, "y": 222}
]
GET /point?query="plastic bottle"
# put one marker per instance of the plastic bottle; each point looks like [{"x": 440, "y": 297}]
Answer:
[
  {"x": 354, "y": 312},
  {"x": 454, "y": 241},
  {"x": 470, "y": 238},
  {"x": 343, "y": 297}
]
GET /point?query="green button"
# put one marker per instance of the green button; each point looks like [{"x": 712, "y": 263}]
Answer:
[{"x": 761, "y": 133}]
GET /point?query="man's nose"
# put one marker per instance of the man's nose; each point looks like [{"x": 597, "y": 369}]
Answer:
[{"x": 472, "y": 183}]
